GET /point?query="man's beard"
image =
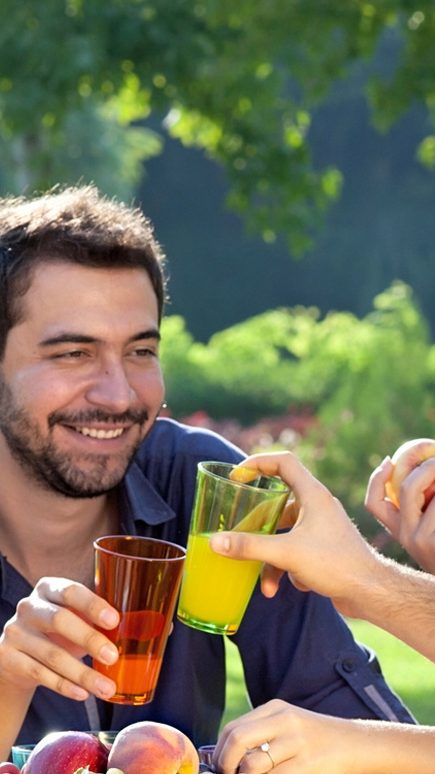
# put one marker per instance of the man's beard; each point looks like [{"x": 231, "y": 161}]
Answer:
[{"x": 58, "y": 470}]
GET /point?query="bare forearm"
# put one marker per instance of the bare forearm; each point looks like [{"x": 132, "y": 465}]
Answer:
[
  {"x": 401, "y": 601},
  {"x": 381, "y": 748}
]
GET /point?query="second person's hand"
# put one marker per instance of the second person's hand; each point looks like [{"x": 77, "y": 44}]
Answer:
[
  {"x": 283, "y": 738},
  {"x": 413, "y": 524},
  {"x": 323, "y": 552}
]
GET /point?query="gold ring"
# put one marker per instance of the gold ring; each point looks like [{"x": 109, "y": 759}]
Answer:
[{"x": 265, "y": 747}]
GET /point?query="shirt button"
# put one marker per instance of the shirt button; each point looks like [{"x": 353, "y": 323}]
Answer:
[{"x": 348, "y": 664}]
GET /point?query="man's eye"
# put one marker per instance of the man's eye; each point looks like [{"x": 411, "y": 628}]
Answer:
[
  {"x": 73, "y": 354},
  {"x": 144, "y": 352}
]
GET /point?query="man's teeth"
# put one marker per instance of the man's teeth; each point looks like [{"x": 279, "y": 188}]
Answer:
[{"x": 103, "y": 434}]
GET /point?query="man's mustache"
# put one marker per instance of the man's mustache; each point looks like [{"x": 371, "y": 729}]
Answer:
[{"x": 130, "y": 416}]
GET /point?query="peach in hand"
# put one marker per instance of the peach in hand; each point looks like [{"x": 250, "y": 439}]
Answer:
[
  {"x": 407, "y": 457},
  {"x": 156, "y": 748}
]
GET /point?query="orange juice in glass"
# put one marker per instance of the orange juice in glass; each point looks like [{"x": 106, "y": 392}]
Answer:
[
  {"x": 215, "y": 590},
  {"x": 141, "y": 578}
]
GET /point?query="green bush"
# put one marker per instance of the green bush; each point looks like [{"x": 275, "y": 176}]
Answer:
[
  {"x": 245, "y": 371},
  {"x": 383, "y": 395}
]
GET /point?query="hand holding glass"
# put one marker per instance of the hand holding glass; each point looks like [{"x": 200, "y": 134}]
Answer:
[
  {"x": 140, "y": 577},
  {"x": 215, "y": 590}
]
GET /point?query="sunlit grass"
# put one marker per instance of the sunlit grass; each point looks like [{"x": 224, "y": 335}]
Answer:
[
  {"x": 411, "y": 675},
  {"x": 236, "y": 698}
]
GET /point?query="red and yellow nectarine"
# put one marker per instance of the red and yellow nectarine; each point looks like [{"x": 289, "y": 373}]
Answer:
[
  {"x": 64, "y": 752},
  {"x": 154, "y": 748},
  {"x": 407, "y": 457}
]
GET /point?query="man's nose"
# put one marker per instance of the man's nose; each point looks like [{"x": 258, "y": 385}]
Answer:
[{"x": 111, "y": 388}]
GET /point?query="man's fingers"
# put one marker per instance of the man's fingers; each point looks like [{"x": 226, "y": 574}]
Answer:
[
  {"x": 79, "y": 598},
  {"x": 62, "y": 625},
  {"x": 53, "y": 629},
  {"x": 26, "y": 670},
  {"x": 41, "y": 660}
]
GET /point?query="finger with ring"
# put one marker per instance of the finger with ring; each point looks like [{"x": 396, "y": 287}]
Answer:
[{"x": 265, "y": 747}]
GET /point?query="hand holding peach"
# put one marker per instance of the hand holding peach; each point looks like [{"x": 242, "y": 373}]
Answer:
[
  {"x": 399, "y": 495},
  {"x": 153, "y": 747},
  {"x": 408, "y": 456}
]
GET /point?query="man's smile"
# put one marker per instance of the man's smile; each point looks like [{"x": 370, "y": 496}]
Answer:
[{"x": 99, "y": 433}]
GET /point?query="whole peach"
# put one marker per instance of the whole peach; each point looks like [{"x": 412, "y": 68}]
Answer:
[
  {"x": 407, "y": 457},
  {"x": 154, "y": 748}
]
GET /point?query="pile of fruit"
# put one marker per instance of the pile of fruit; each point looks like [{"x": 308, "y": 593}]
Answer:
[{"x": 147, "y": 746}]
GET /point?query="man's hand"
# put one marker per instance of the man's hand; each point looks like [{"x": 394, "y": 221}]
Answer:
[{"x": 51, "y": 631}]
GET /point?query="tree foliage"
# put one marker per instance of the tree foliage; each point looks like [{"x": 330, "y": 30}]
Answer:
[{"x": 82, "y": 83}]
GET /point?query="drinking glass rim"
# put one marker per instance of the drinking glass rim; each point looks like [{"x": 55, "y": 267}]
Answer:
[
  {"x": 25, "y": 746},
  {"x": 112, "y": 552},
  {"x": 282, "y": 486}
]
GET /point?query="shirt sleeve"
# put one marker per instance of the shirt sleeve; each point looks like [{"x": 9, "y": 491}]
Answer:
[{"x": 296, "y": 647}]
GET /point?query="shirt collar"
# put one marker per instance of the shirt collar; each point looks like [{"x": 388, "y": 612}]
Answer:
[{"x": 140, "y": 501}]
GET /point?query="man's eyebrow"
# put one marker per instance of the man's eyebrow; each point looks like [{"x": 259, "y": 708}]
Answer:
[
  {"x": 151, "y": 333},
  {"x": 67, "y": 337}
]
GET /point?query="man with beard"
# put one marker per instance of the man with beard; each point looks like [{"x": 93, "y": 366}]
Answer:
[{"x": 82, "y": 292}]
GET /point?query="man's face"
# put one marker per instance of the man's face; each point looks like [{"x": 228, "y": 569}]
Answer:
[{"x": 80, "y": 379}]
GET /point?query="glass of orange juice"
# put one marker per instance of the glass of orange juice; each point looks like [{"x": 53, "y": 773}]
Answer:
[
  {"x": 141, "y": 578},
  {"x": 215, "y": 590}
]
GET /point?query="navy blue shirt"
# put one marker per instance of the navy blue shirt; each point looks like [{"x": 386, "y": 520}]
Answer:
[{"x": 294, "y": 646}]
